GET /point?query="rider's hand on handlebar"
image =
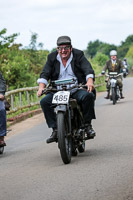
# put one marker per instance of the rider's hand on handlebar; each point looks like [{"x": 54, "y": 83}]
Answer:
[
  {"x": 39, "y": 92},
  {"x": 41, "y": 88},
  {"x": 103, "y": 72},
  {"x": 90, "y": 84}
]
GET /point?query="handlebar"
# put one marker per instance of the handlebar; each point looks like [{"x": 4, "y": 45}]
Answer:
[
  {"x": 63, "y": 87},
  {"x": 114, "y": 74}
]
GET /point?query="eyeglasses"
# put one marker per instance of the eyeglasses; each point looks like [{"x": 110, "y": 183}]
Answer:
[{"x": 66, "y": 48}]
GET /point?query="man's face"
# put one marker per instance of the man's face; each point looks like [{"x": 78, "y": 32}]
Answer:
[
  {"x": 113, "y": 57},
  {"x": 64, "y": 51}
]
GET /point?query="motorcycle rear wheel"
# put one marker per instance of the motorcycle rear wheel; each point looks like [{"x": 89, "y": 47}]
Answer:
[{"x": 64, "y": 141}]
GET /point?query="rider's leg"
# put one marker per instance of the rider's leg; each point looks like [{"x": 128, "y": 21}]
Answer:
[
  {"x": 120, "y": 84},
  {"x": 48, "y": 111},
  {"x": 2, "y": 123},
  {"x": 86, "y": 101},
  {"x": 108, "y": 90},
  {"x": 50, "y": 116}
]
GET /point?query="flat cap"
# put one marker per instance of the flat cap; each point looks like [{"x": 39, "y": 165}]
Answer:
[{"x": 63, "y": 40}]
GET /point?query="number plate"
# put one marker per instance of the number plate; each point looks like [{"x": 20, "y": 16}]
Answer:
[{"x": 61, "y": 97}]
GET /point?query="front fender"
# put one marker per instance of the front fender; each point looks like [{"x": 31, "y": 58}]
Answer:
[
  {"x": 62, "y": 108},
  {"x": 113, "y": 82}
]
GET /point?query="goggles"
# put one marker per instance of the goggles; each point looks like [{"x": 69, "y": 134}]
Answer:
[{"x": 66, "y": 48}]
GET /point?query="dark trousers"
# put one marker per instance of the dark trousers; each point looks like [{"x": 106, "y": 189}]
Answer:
[
  {"x": 2, "y": 119},
  {"x": 84, "y": 99}
]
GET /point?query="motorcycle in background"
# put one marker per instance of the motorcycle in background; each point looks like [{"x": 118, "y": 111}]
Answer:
[
  {"x": 114, "y": 88},
  {"x": 126, "y": 65}
]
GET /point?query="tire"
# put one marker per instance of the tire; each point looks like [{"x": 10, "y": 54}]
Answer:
[
  {"x": 1, "y": 150},
  {"x": 64, "y": 141},
  {"x": 113, "y": 96},
  {"x": 81, "y": 147}
]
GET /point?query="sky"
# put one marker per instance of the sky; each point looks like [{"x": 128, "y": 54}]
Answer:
[{"x": 109, "y": 21}]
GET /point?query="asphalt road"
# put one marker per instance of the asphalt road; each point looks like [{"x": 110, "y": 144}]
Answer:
[{"x": 30, "y": 169}]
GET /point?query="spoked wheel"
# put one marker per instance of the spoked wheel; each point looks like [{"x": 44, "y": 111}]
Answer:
[
  {"x": 1, "y": 150},
  {"x": 113, "y": 96},
  {"x": 64, "y": 140},
  {"x": 81, "y": 147}
]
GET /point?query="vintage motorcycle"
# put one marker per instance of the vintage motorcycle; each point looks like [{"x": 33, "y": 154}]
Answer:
[
  {"x": 114, "y": 88},
  {"x": 71, "y": 130}
]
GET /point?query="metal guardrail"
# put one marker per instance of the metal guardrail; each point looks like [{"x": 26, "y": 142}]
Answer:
[{"x": 26, "y": 97}]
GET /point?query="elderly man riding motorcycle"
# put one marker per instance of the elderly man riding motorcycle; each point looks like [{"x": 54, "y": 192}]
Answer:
[
  {"x": 114, "y": 65},
  {"x": 68, "y": 62}
]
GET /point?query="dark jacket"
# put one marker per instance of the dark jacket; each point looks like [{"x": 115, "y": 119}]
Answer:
[
  {"x": 2, "y": 85},
  {"x": 118, "y": 66},
  {"x": 80, "y": 66}
]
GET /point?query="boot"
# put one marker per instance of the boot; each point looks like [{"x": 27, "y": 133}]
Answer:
[
  {"x": 108, "y": 96},
  {"x": 2, "y": 142},
  {"x": 53, "y": 137},
  {"x": 90, "y": 132},
  {"x": 121, "y": 95}
]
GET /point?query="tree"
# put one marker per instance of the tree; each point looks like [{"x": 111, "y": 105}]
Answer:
[
  {"x": 100, "y": 59},
  {"x": 130, "y": 52},
  {"x": 122, "y": 51},
  {"x": 15, "y": 69},
  {"x": 20, "y": 67},
  {"x": 6, "y": 41},
  {"x": 37, "y": 57},
  {"x": 125, "y": 45},
  {"x": 98, "y": 46},
  {"x": 105, "y": 48},
  {"x": 93, "y": 47},
  {"x": 128, "y": 41},
  {"x": 33, "y": 42}
]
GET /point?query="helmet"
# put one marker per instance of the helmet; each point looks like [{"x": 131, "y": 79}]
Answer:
[
  {"x": 113, "y": 53},
  {"x": 125, "y": 59}
]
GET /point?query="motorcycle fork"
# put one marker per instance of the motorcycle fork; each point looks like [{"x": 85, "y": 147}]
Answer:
[{"x": 69, "y": 120}]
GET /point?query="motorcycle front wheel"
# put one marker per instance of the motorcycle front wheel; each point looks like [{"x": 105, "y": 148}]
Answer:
[
  {"x": 113, "y": 96},
  {"x": 64, "y": 140},
  {"x": 1, "y": 150}
]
